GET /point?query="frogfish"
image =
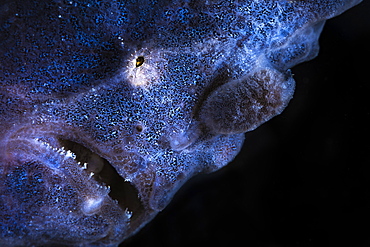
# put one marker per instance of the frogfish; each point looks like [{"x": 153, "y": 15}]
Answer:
[{"x": 107, "y": 107}]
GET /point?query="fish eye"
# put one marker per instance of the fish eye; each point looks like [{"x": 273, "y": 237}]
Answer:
[{"x": 139, "y": 61}]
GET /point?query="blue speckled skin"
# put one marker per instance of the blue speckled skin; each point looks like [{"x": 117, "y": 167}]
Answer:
[{"x": 75, "y": 98}]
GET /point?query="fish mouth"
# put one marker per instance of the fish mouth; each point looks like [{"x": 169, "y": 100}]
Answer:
[
  {"x": 100, "y": 188},
  {"x": 98, "y": 168}
]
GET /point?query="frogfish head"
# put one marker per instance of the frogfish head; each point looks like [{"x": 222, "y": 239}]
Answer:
[{"x": 108, "y": 107}]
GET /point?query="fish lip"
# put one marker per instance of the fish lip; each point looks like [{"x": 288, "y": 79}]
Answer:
[{"x": 49, "y": 135}]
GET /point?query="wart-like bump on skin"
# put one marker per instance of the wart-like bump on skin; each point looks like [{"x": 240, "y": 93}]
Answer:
[{"x": 108, "y": 107}]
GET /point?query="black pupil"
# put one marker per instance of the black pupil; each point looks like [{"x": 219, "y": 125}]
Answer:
[{"x": 139, "y": 61}]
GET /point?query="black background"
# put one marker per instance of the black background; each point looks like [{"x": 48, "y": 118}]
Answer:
[{"x": 303, "y": 178}]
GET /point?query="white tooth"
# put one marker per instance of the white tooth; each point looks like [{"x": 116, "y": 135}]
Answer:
[
  {"x": 70, "y": 154},
  {"x": 84, "y": 166},
  {"x": 128, "y": 213}
]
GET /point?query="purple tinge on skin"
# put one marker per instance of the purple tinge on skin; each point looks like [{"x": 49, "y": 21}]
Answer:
[{"x": 108, "y": 107}]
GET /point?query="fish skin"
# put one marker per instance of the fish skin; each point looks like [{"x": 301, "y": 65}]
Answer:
[{"x": 212, "y": 70}]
